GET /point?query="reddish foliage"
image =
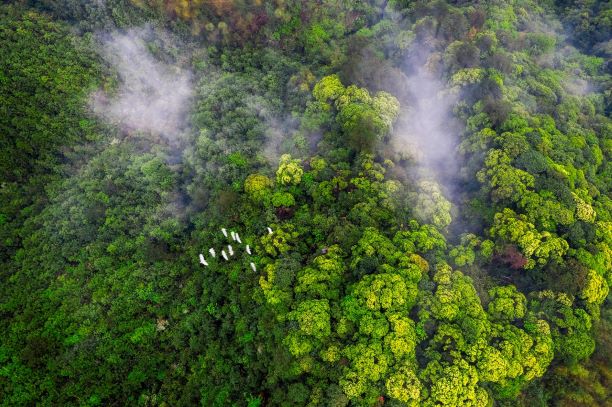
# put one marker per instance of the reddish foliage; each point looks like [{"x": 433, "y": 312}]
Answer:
[
  {"x": 477, "y": 18},
  {"x": 259, "y": 21},
  {"x": 284, "y": 213},
  {"x": 513, "y": 257}
]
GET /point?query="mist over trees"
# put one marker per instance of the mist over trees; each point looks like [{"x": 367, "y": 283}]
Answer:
[{"x": 421, "y": 193}]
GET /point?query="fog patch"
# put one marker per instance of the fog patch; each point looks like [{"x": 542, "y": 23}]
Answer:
[
  {"x": 578, "y": 87},
  {"x": 279, "y": 130},
  {"x": 426, "y": 128},
  {"x": 152, "y": 96}
]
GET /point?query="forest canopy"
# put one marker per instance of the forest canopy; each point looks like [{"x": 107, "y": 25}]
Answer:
[{"x": 305, "y": 203}]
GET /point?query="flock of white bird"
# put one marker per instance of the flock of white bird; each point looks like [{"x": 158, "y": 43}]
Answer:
[{"x": 230, "y": 250}]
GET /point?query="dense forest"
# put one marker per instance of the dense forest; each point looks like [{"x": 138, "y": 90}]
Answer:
[{"x": 305, "y": 203}]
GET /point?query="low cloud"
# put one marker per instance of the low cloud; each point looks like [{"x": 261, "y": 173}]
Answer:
[
  {"x": 426, "y": 128},
  {"x": 152, "y": 96}
]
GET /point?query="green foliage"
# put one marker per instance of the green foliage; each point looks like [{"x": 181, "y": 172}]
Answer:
[
  {"x": 404, "y": 385},
  {"x": 365, "y": 120},
  {"x": 46, "y": 74},
  {"x": 352, "y": 298},
  {"x": 258, "y": 186},
  {"x": 431, "y": 206},
  {"x": 507, "y": 304},
  {"x": 570, "y": 327},
  {"x": 503, "y": 180},
  {"x": 596, "y": 289},
  {"x": 46, "y": 77},
  {"x": 289, "y": 171},
  {"x": 282, "y": 199},
  {"x": 538, "y": 248}
]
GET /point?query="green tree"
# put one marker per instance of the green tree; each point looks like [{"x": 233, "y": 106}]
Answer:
[
  {"x": 364, "y": 120},
  {"x": 508, "y": 227},
  {"x": 258, "y": 186},
  {"x": 289, "y": 171}
]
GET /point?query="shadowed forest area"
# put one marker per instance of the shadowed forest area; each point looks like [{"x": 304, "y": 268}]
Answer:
[{"x": 305, "y": 203}]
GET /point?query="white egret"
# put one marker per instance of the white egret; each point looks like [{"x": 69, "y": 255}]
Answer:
[{"x": 202, "y": 260}]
